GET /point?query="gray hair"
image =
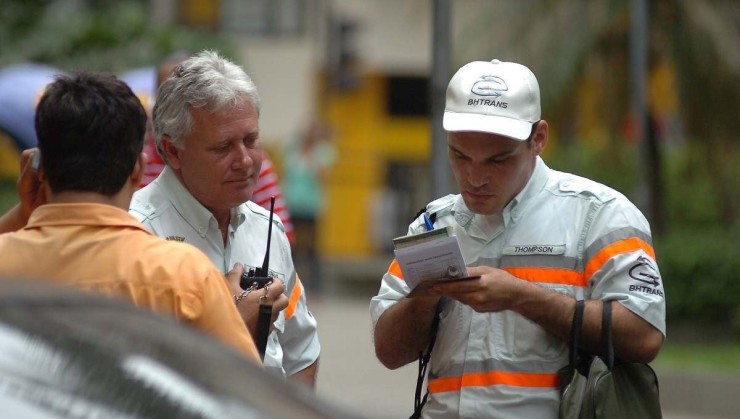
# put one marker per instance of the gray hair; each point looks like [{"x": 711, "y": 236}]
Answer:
[{"x": 205, "y": 80}]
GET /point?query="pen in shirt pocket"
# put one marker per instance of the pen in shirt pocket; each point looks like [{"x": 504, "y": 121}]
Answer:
[{"x": 428, "y": 222}]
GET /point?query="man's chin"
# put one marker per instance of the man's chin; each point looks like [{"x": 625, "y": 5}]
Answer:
[
  {"x": 480, "y": 206},
  {"x": 238, "y": 196}
]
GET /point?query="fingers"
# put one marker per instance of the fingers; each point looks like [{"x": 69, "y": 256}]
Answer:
[
  {"x": 478, "y": 270},
  {"x": 28, "y": 184},
  {"x": 277, "y": 288},
  {"x": 234, "y": 275},
  {"x": 452, "y": 288},
  {"x": 278, "y": 305}
]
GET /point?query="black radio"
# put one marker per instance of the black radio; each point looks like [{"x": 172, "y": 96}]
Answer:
[{"x": 257, "y": 278}]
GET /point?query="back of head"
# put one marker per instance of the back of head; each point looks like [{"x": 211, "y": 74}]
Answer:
[
  {"x": 90, "y": 130},
  {"x": 205, "y": 80},
  {"x": 496, "y": 97}
]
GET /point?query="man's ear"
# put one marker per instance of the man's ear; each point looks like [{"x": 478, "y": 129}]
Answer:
[
  {"x": 139, "y": 168},
  {"x": 541, "y": 136},
  {"x": 171, "y": 151}
]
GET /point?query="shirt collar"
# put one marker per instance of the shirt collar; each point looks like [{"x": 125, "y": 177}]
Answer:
[
  {"x": 191, "y": 210},
  {"x": 515, "y": 208},
  {"x": 84, "y": 213},
  {"x": 488, "y": 226}
]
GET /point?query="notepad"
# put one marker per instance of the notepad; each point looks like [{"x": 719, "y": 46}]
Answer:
[{"x": 431, "y": 255}]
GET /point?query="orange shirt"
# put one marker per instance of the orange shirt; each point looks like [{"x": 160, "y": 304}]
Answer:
[{"x": 102, "y": 248}]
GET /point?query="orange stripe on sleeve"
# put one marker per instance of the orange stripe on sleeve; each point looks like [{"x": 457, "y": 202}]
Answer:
[
  {"x": 491, "y": 378},
  {"x": 549, "y": 275},
  {"x": 623, "y": 246},
  {"x": 294, "y": 297},
  {"x": 395, "y": 269}
]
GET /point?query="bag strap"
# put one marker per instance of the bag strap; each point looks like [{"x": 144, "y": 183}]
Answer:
[
  {"x": 575, "y": 333},
  {"x": 607, "y": 347},
  {"x": 424, "y": 358}
]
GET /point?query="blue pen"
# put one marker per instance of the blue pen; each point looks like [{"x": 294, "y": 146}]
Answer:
[{"x": 428, "y": 222}]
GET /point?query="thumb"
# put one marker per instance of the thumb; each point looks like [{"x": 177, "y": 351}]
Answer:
[{"x": 235, "y": 273}]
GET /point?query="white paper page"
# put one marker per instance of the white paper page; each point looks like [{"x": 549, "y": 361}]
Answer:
[{"x": 435, "y": 259}]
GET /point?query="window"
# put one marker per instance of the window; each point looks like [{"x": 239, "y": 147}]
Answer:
[
  {"x": 264, "y": 17},
  {"x": 408, "y": 96}
]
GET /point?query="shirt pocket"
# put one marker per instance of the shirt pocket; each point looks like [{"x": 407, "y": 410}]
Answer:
[
  {"x": 531, "y": 339},
  {"x": 519, "y": 339}
]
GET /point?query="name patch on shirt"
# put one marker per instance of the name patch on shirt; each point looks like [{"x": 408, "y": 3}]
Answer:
[
  {"x": 176, "y": 238},
  {"x": 534, "y": 249}
]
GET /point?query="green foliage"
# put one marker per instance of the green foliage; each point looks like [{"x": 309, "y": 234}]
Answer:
[
  {"x": 8, "y": 196},
  {"x": 718, "y": 358},
  {"x": 699, "y": 267},
  {"x": 690, "y": 190},
  {"x": 612, "y": 164},
  {"x": 698, "y": 253},
  {"x": 94, "y": 35}
]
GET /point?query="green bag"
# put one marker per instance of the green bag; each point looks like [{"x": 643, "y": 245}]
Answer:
[{"x": 601, "y": 387}]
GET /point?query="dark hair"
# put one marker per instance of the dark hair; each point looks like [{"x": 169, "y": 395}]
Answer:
[{"x": 90, "y": 129}]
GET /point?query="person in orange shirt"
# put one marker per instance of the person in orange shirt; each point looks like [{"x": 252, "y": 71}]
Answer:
[{"x": 91, "y": 130}]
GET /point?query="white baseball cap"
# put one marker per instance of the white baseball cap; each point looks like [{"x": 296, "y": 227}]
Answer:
[{"x": 495, "y": 97}]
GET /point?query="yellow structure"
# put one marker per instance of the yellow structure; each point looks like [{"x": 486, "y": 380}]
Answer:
[
  {"x": 9, "y": 158},
  {"x": 367, "y": 139}
]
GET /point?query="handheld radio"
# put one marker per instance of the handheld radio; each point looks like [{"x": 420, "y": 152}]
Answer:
[{"x": 259, "y": 277}]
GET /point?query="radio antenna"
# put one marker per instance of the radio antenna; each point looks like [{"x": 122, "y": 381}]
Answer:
[{"x": 266, "y": 263}]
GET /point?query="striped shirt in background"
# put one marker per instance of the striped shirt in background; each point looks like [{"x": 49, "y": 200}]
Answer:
[{"x": 267, "y": 185}]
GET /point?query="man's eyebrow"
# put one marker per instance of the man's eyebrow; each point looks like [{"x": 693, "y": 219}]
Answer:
[{"x": 504, "y": 153}]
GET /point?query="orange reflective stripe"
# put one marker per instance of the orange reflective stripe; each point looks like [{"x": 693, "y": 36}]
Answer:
[
  {"x": 295, "y": 296},
  {"x": 623, "y": 246},
  {"x": 491, "y": 378},
  {"x": 549, "y": 275},
  {"x": 395, "y": 269}
]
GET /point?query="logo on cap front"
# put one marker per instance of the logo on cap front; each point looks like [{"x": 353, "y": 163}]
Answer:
[{"x": 489, "y": 86}]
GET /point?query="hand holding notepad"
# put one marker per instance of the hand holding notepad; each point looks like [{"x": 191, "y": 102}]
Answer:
[{"x": 428, "y": 257}]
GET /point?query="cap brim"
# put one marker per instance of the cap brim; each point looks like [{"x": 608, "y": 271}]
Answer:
[{"x": 512, "y": 128}]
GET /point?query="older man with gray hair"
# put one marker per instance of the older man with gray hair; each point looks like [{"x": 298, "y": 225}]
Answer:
[{"x": 206, "y": 123}]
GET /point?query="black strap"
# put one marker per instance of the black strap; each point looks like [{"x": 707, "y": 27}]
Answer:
[
  {"x": 263, "y": 328},
  {"x": 575, "y": 333},
  {"x": 424, "y": 358},
  {"x": 607, "y": 348},
  {"x": 432, "y": 216}
]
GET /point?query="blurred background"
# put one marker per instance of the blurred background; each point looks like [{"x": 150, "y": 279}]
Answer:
[{"x": 642, "y": 95}]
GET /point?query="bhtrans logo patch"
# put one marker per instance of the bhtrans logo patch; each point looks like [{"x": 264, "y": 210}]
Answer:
[
  {"x": 490, "y": 87},
  {"x": 645, "y": 272}
]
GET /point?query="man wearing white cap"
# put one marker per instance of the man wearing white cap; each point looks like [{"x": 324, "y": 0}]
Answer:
[{"x": 539, "y": 239}]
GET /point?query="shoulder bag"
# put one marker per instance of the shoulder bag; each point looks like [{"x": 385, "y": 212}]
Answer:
[{"x": 603, "y": 387}]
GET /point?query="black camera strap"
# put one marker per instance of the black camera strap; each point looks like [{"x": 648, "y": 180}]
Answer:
[{"x": 424, "y": 358}]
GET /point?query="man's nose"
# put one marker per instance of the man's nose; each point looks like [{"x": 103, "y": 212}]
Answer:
[
  {"x": 242, "y": 158},
  {"x": 478, "y": 176}
]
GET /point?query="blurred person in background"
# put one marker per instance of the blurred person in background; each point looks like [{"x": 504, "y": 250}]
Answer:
[
  {"x": 307, "y": 162},
  {"x": 206, "y": 125},
  {"x": 73, "y": 225},
  {"x": 268, "y": 184},
  {"x": 537, "y": 240}
]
